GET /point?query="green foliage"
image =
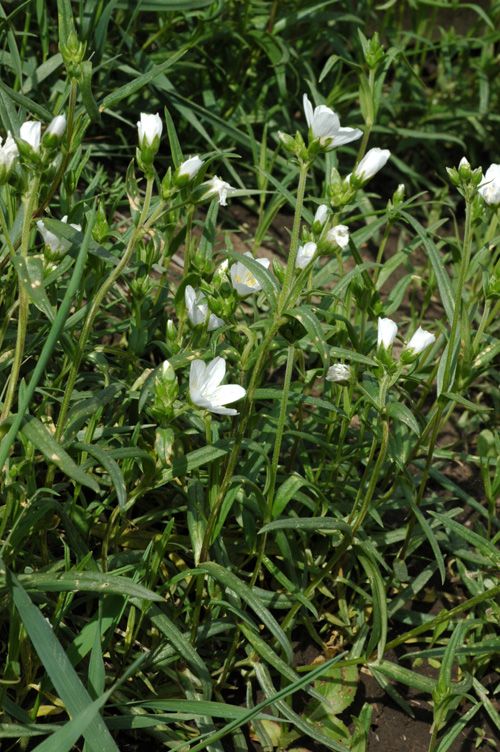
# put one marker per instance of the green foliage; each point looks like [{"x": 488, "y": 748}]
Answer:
[{"x": 217, "y": 580}]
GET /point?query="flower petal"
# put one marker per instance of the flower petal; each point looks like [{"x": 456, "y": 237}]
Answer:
[
  {"x": 226, "y": 394},
  {"x": 308, "y": 109},
  {"x": 215, "y": 372},
  {"x": 197, "y": 375},
  {"x": 346, "y": 135}
]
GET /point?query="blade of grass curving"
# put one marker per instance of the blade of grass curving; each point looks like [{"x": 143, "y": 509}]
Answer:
[
  {"x": 310, "y": 322},
  {"x": 98, "y": 582},
  {"x": 280, "y": 695},
  {"x": 60, "y": 671},
  {"x": 380, "y": 618},
  {"x": 443, "y": 281},
  {"x": 111, "y": 466},
  {"x": 429, "y": 534},
  {"x": 42, "y": 439},
  {"x": 234, "y": 583},
  {"x": 139, "y": 82},
  {"x": 182, "y": 646},
  {"x": 298, "y": 721}
]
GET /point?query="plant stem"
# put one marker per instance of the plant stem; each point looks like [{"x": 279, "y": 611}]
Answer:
[
  {"x": 96, "y": 303},
  {"x": 22, "y": 322},
  {"x": 294, "y": 241},
  {"x": 448, "y": 377}
]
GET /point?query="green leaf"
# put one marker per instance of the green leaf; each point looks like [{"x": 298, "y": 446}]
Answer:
[
  {"x": 43, "y": 440},
  {"x": 429, "y": 534},
  {"x": 442, "y": 278},
  {"x": 30, "y": 274},
  {"x": 287, "y": 490},
  {"x": 123, "y": 92},
  {"x": 234, "y": 583},
  {"x": 404, "y": 676},
  {"x": 309, "y": 523},
  {"x": 60, "y": 671},
  {"x": 73, "y": 581},
  {"x": 111, "y": 467},
  {"x": 379, "y": 632},
  {"x": 310, "y": 322},
  {"x": 398, "y": 411},
  {"x": 193, "y": 460}
]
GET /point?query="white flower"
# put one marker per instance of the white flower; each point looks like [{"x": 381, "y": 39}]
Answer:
[
  {"x": 372, "y": 162},
  {"x": 242, "y": 278},
  {"x": 205, "y": 390},
  {"x": 464, "y": 162},
  {"x": 198, "y": 311},
  {"x": 219, "y": 186},
  {"x": 387, "y": 330},
  {"x": 149, "y": 128},
  {"x": 339, "y": 372},
  {"x": 8, "y": 152},
  {"x": 190, "y": 167},
  {"x": 321, "y": 214},
  {"x": 57, "y": 245},
  {"x": 305, "y": 254},
  {"x": 325, "y": 126},
  {"x": 57, "y": 126},
  {"x": 489, "y": 187},
  {"x": 339, "y": 235},
  {"x": 420, "y": 340},
  {"x": 31, "y": 132}
]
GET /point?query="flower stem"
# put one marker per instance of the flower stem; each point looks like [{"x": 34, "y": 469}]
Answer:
[
  {"x": 94, "y": 308},
  {"x": 22, "y": 322},
  {"x": 448, "y": 377},
  {"x": 294, "y": 241}
]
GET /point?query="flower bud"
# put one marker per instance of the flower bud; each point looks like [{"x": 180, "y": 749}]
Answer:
[
  {"x": 320, "y": 218},
  {"x": 305, "y": 254},
  {"x": 8, "y": 154},
  {"x": 339, "y": 373},
  {"x": 166, "y": 389},
  {"x": 372, "y": 162},
  {"x": 149, "y": 130},
  {"x": 54, "y": 134},
  {"x": 417, "y": 344},
  {"x": 387, "y": 330},
  {"x": 188, "y": 170}
]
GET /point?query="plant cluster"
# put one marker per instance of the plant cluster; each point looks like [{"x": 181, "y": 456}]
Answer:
[{"x": 219, "y": 451}]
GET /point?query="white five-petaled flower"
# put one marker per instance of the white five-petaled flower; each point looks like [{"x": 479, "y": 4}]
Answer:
[
  {"x": 420, "y": 340},
  {"x": 57, "y": 245},
  {"x": 339, "y": 235},
  {"x": 372, "y": 162},
  {"x": 8, "y": 152},
  {"x": 242, "y": 278},
  {"x": 190, "y": 167},
  {"x": 489, "y": 187},
  {"x": 205, "y": 387},
  {"x": 387, "y": 330},
  {"x": 57, "y": 127},
  {"x": 339, "y": 372},
  {"x": 31, "y": 132},
  {"x": 305, "y": 254},
  {"x": 325, "y": 126},
  {"x": 198, "y": 310},
  {"x": 218, "y": 186},
  {"x": 149, "y": 128}
]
